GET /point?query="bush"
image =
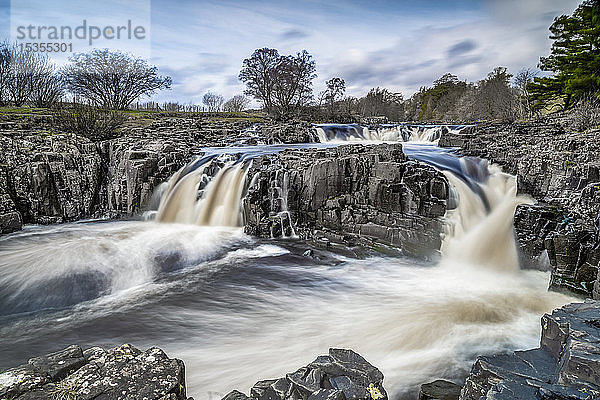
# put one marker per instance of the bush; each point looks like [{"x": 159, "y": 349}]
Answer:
[{"x": 91, "y": 122}]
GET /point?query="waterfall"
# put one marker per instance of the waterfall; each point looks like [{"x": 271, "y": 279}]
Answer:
[
  {"x": 339, "y": 133},
  {"x": 218, "y": 204},
  {"x": 479, "y": 230}
]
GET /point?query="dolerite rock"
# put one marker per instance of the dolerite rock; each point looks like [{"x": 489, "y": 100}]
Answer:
[
  {"x": 341, "y": 375},
  {"x": 439, "y": 390},
  {"x": 348, "y": 193},
  {"x": 120, "y": 373},
  {"x": 289, "y": 132},
  {"x": 566, "y": 366}
]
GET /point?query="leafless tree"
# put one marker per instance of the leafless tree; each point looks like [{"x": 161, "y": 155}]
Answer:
[
  {"x": 522, "y": 80},
  {"x": 213, "y": 101},
  {"x": 112, "y": 79},
  {"x": 24, "y": 65},
  {"x": 336, "y": 87},
  {"x": 282, "y": 83},
  {"x": 5, "y": 51},
  {"x": 47, "y": 86},
  {"x": 237, "y": 103}
]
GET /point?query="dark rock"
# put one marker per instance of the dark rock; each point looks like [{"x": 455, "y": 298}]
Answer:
[
  {"x": 235, "y": 395},
  {"x": 566, "y": 366},
  {"x": 341, "y": 375},
  {"x": 120, "y": 373},
  {"x": 439, "y": 390},
  {"x": 370, "y": 194}
]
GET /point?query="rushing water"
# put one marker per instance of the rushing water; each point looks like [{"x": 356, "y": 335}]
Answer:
[{"x": 238, "y": 309}]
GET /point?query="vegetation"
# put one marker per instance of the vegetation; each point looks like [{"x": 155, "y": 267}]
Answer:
[
  {"x": 112, "y": 79},
  {"x": 574, "y": 60},
  {"x": 282, "y": 83}
]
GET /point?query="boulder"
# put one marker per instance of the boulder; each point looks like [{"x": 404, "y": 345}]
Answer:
[
  {"x": 341, "y": 375},
  {"x": 120, "y": 373},
  {"x": 565, "y": 366}
]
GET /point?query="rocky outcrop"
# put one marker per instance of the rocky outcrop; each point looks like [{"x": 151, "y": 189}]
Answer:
[
  {"x": 289, "y": 132},
  {"x": 50, "y": 177},
  {"x": 120, "y": 373},
  {"x": 347, "y": 194},
  {"x": 566, "y": 366},
  {"x": 560, "y": 169},
  {"x": 341, "y": 375}
]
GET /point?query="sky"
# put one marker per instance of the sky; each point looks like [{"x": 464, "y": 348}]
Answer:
[{"x": 400, "y": 45}]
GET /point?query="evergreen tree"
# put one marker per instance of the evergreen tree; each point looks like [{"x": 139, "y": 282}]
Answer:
[{"x": 574, "y": 60}]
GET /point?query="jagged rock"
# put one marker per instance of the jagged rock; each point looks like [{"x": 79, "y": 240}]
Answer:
[
  {"x": 290, "y": 132},
  {"x": 352, "y": 192},
  {"x": 439, "y": 390},
  {"x": 341, "y": 375},
  {"x": 120, "y": 373},
  {"x": 566, "y": 366}
]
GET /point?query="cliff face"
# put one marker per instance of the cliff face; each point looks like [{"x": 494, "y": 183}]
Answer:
[
  {"x": 561, "y": 170},
  {"x": 50, "y": 178},
  {"x": 348, "y": 193}
]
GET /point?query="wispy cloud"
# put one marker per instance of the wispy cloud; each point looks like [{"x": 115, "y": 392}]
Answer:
[{"x": 401, "y": 44}]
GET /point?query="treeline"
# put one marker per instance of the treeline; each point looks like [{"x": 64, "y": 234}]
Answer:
[{"x": 283, "y": 84}]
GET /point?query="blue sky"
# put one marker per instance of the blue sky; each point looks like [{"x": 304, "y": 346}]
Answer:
[{"x": 400, "y": 45}]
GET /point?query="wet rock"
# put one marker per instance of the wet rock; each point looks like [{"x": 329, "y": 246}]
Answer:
[
  {"x": 120, "y": 373},
  {"x": 358, "y": 193},
  {"x": 565, "y": 366},
  {"x": 341, "y": 375},
  {"x": 439, "y": 390}
]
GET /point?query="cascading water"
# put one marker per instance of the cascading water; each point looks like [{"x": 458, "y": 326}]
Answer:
[
  {"x": 238, "y": 309},
  {"x": 219, "y": 204},
  {"x": 340, "y": 133}
]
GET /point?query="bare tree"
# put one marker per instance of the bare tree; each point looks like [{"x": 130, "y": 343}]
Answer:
[
  {"x": 381, "y": 102},
  {"x": 282, "y": 83},
  {"x": 112, "y": 79},
  {"x": 213, "y": 101},
  {"x": 5, "y": 51},
  {"x": 495, "y": 98},
  {"x": 522, "y": 80},
  {"x": 24, "y": 65},
  {"x": 237, "y": 103},
  {"x": 336, "y": 87},
  {"x": 47, "y": 86}
]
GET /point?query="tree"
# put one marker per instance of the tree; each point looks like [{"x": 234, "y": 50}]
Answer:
[
  {"x": 494, "y": 98},
  {"x": 237, "y": 103},
  {"x": 282, "y": 83},
  {"x": 5, "y": 51},
  {"x": 336, "y": 87},
  {"x": 112, "y": 79},
  {"x": 574, "y": 60},
  {"x": 23, "y": 67},
  {"x": 381, "y": 102},
  {"x": 522, "y": 80},
  {"x": 213, "y": 101}
]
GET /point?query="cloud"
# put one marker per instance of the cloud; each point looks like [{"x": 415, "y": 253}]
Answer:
[
  {"x": 461, "y": 48},
  {"x": 294, "y": 34}
]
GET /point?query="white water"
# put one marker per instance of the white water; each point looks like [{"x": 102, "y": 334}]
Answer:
[
  {"x": 334, "y": 133},
  {"x": 219, "y": 204},
  {"x": 238, "y": 310}
]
